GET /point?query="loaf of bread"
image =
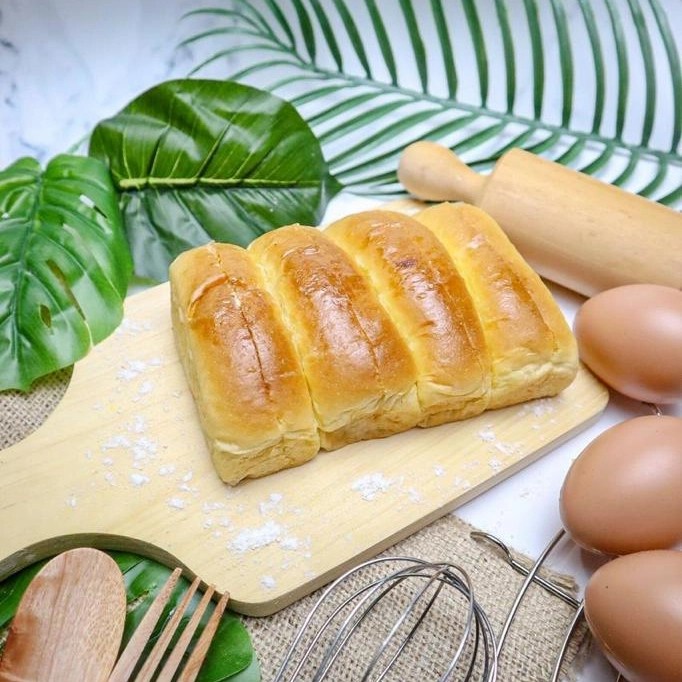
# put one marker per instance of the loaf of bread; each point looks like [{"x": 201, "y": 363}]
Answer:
[{"x": 312, "y": 339}]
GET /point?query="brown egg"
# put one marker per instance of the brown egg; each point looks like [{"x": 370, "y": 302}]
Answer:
[
  {"x": 631, "y": 338},
  {"x": 633, "y": 606},
  {"x": 624, "y": 492}
]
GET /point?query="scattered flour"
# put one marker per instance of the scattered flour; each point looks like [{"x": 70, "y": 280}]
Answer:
[
  {"x": 134, "y": 368},
  {"x": 290, "y": 543},
  {"x": 268, "y": 582},
  {"x": 132, "y": 327},
  {"x": 495, "y": 464},
  {"x": 461, "y": 483},
  {"x": 139, "y": 479},
  {"x": 176, "y": 503},
  {"x": 273, "y": 503},
  {"x": 255, "y": 538},
  {"x": 143, "y": 449},
  {"x": 371, "y": 485},
  {"x": 414, "y": 495},
  {"x": 138, "y": 450},
  {"x": 71, "y": 501},
  {"x": 541, "y": 407},
  {"x": 146, "y": 387},
  {"x": 138, "y": 425},
  {"x": 131, "y": 370},
  {"x": 487, "y": 435},
  {"x": 119, "y": 441},
  {"x": 269, "y": 533},
  {"x": 506, "y": 448}
]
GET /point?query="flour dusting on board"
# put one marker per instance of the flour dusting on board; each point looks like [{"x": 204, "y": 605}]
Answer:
[
  {"x": 130, "y": 327},
  {"x": 133, "y": 368},
  {"x": 497, "y": 447},
  {"x": 273, "y": 503},
  {"x": 542, "y": 407},
  {"x": 371, "y": 485},
  {"x": 487, "y": 434},
  {"x": 256, "y": 537},
  {"x": 268, "y": 582},
  {"x": 139, "y": 479}
]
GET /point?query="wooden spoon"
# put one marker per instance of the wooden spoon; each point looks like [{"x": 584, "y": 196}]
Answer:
[{"x": 69, "y": 623}]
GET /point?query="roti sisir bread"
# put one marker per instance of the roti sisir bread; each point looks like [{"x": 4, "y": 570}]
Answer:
[{"x": 313, "y": 339}]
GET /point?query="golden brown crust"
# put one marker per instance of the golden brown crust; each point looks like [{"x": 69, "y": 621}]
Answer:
[
  {"x": 360, "y": 373},
  {"x": 429, "y": 303},
  {"x": 245, "y": 376},
  {"x": 312, "y": 338},
  {"x": 533, "y": 350}
]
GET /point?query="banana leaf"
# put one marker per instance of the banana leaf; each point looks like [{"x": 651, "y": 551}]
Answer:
[
  {"x": 592, "y": 84},
  {"x": 231, "y": 654},
  {"x": 202, "y": 160},
  {"x": 64, "y": 265}
]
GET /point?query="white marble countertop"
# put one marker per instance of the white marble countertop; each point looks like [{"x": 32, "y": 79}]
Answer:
[{"x": 65, "y": 64}]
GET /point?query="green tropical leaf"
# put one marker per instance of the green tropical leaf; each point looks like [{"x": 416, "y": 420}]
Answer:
[
  {"x": 231, "y": 654},
  {"x": 64, "y": 265},
  {"x": 202, "y": 160},
  {"x": 593, "y": 84},
  {"x": 231, "y": 650}
]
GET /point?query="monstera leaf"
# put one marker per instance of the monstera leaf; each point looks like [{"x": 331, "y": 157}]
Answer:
[
  {"x": 593, "y": 84},
  {"x": 64, "y": 265},
  {"x": 200, "y": 160},
  {"x": 230, "y": 657}
]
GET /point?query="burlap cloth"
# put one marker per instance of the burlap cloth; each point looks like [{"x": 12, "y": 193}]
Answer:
[{"x": 534, "y": 640}]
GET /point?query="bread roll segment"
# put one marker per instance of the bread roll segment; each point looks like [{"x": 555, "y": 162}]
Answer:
[
  {"x": 314, "y": 338},
  {"x": 428, "y": 301},
  {"x": 360, "y": 373},
  {"x": 533, "y": 351},
  {"x": 245, "y": 375}
]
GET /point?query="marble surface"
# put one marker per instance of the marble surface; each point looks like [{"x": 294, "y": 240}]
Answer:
[{"x": 65, "y": 64}]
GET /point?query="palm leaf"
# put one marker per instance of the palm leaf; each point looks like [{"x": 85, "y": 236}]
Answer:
[{"x": 593, "y": 84}]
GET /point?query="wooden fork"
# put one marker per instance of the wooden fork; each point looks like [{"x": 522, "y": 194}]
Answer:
[{"x": 132, "y": 654}]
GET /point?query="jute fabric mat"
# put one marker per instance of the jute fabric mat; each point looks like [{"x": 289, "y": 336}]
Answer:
[{"x": 530, "y": 650}]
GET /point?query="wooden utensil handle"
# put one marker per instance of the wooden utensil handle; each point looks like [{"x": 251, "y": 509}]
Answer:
[
  {"x": 433, "y": 173},
  {"x": 573, "y": 229}
]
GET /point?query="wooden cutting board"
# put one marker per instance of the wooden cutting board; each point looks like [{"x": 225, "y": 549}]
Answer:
[{"x": 121, "y": 464}]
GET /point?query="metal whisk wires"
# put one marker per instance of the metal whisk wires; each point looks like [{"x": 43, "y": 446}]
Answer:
[{"x": 347, "y": 631}]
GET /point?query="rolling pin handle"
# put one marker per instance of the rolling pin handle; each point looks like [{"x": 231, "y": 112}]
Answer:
[{"x": 432, "y": 172}]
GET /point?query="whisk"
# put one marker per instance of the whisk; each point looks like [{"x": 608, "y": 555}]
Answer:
[
  {"x": 409, "y": 618},
  {"x": 389, "y": 618}
]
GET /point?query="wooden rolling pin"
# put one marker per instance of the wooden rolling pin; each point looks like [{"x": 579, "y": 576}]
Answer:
[{"x": 573, "y": 229}]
